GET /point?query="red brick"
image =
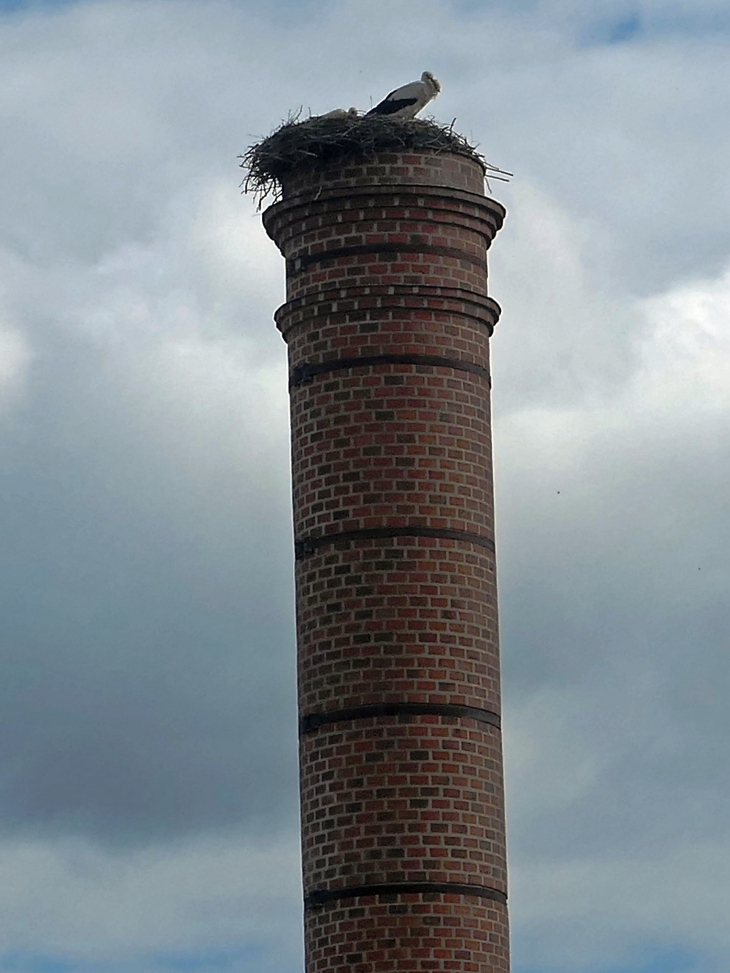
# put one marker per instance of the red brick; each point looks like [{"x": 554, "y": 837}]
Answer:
[{"x": 388, "y": 258}]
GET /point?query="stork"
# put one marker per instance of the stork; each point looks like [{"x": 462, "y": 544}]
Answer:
[
  {"x": 407, "y": 101},
  {"x": 340, "y": 113}
]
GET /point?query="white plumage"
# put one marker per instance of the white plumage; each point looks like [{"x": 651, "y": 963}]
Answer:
[
  {"x": 407, "y": 101},
  {"x": 340, "y": 113}
]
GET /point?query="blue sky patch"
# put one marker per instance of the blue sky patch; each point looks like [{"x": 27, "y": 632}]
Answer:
[
  {"x": 625, "y": 29},
  {"x": 214, "y": 960},
  {"x": 18, "y": 6},
  {"x": 617, "y": 30},
  {"x": 253, "y": 957},
  {"x": 25, "y": 963},
  {"x": 649, "y": 960}
]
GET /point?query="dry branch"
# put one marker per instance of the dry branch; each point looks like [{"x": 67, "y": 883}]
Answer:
[{"x": 318, "y": 142}]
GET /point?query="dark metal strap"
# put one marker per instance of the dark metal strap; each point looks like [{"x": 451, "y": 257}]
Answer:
[
  {"x": 306, "y": 546},
  {"x": 313, "y": 721},
  {"x": 323, "y": 896},
  {"x": 304, "y": 373},
  {"x": 297, "y": 264}
]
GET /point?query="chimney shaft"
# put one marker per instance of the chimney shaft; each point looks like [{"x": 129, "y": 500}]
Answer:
[{"x": 387, "y": 322}]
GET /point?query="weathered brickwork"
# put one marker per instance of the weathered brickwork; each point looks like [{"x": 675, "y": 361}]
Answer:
[
  {"x": 374, "y": 323},
  {"x": 387, "y": 324},
  {"x": 375, "y": 236},
  {"x": 391, "y": 444},
  {"x": 409, "y": 932},
  {"x": 403, "y": 799},
  {"x": 412, "y": 619},
  {"x": 436, "y": 170}
]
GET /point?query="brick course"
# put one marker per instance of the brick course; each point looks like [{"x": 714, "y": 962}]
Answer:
[
  {"x": 413, "y": 620},
  {"x": 387, "y": 324},
  {"x": 424, "y": 932}
]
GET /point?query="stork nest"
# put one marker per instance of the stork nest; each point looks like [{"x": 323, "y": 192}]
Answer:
[{"x": 318, "y": 142}]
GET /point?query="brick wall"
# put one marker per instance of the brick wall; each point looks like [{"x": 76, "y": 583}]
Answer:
[{"x": 387, "y": 324}]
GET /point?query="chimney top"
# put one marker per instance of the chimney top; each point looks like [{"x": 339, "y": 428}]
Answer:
[{"x": 319, "y": 142}]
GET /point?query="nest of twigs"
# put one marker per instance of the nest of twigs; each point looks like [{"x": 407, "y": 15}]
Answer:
[{"x": 318, "y": 142}]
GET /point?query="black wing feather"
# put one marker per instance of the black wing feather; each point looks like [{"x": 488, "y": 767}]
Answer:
[{"x": 390, "y": 107}]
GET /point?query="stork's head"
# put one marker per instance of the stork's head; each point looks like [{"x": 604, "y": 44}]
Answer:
[{"x": 432, "y": 82}]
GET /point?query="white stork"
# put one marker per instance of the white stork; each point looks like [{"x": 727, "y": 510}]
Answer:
[
  {"x": 340, "y": 113},
  {"x": 407, "y": 101}
]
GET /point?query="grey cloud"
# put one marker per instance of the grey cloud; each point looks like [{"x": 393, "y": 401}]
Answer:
[
  {"x": 150, "y": 682},
  {"x": 614, "y": 626},
  {"x": 142, "y": 653},
  {"x": 146, "y": 542}
]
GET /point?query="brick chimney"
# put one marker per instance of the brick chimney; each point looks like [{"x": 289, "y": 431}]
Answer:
[{"x": 387, "y": 323}]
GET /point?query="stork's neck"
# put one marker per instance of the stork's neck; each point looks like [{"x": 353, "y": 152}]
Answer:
[{"x": 433, "y": 86}]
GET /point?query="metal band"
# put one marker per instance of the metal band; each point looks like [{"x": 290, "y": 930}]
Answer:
[
  {"x": 306, "y": 546},
  {"x": 313, "y": 721},
  {"x": 305, "y": 373},
  {"x": 295, "y": 265},
  {"x": 323, "y": 896}
]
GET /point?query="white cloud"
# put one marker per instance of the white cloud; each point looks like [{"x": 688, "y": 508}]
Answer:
[
  {"x": 73, "y": 900},
  {"x": 550, "y": 765},
  {"x": 14, "y": 358},
  {"x": 562, "y": 338},
  {"x": 592, "y": 913},
  {"x": 617, "y": 555},
  {"x": 685, "y": 361}
]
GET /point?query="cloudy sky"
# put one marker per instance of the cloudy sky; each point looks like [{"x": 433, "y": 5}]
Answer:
[{"x": 148, "y": 803}]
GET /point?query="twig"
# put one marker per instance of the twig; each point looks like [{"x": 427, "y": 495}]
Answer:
[{"x": 318, "y": 142}]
